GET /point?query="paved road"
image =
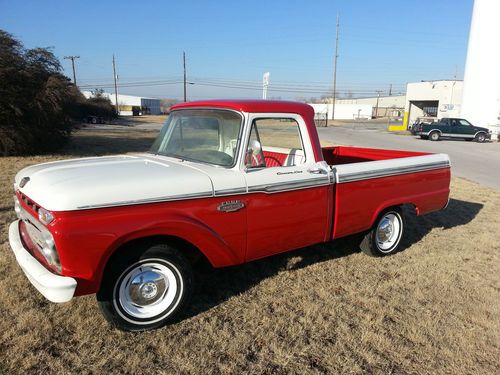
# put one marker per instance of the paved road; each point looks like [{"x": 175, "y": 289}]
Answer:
[{"x": 478, "y": 162}]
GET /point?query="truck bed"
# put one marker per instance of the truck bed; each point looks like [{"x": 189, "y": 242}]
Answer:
[
  {"x": 336, "y": 155},
  {"x": 369, "y": 180}
]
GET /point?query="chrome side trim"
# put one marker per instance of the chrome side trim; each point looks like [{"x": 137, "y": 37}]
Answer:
[
  {"x": 207, "y": 194},
  {"x": 286, "y": 186},
  {"x": 385, "y": 172},
  {"x": 233, "y": 191}
]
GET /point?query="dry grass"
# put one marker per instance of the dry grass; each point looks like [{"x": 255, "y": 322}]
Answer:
[{"x": 432, "y": 309}]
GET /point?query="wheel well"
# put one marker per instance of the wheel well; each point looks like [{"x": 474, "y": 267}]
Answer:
[{"x": 192, "y": 253}]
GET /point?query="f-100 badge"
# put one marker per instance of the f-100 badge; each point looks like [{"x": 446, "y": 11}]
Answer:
[{"x": 230, "y": 206}]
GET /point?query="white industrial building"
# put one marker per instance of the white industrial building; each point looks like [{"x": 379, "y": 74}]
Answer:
[
  {"x": 383, "y": 106},
  {"x": 129, "y": 105},
  {"x": 343, "y": 111},
  {"x": 432, "y": 100}
]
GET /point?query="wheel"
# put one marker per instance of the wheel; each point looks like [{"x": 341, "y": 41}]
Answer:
[
  {"x": 385, "y": 235},
  {"x": 424, "y": 137},
  {"x": 480, "y": 137},
  {"x": 144, "y": 290},
  {"x": 434, "y": 136}
]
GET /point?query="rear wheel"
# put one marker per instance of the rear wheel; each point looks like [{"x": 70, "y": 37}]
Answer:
[
  {"x": 434, "y": 136},
  {"x": 144, "y": 290},
  {"x": 480, "y": 137},
  {"x": 385, "y": 235}
]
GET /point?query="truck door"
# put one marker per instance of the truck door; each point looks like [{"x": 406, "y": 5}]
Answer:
[
  {"x": 288, "y": 192},
  {"x": 464, "y": 128}
]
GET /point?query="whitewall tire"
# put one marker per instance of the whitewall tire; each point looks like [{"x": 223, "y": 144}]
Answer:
[
  {"x": 143, "y": 290},
  {"x": 385, "y": 236}
]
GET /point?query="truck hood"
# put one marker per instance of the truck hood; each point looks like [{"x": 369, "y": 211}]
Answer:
[{"x": 111, "y": 181}]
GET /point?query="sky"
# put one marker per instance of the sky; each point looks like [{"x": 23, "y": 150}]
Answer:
[{"x": 229, "y": 45}]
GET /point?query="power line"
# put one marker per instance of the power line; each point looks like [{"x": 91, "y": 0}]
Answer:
[{"x": 72, "y": 58}]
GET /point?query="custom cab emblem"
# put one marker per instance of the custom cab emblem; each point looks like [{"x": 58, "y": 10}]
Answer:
[
  {"x": 24, "y": 181},
  {"x": 230, "y": 206}
]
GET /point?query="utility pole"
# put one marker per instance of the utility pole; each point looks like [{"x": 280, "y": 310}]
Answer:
[
  {"x": 116, "y": 87},
  {"x": 185, "y": 82},
  {"x": 335, "y": 68},
  {"x": 72, "y": 58},
  {"x": 390, "y": 89},
  {"x": 376, "y": 106}
]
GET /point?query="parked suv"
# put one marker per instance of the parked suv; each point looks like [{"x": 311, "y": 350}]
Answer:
[{"x": 452, "y": 128}]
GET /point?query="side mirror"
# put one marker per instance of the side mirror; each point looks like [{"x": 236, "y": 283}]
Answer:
[
  {"x": 254, "y": 147},
  {"x": 254, "y": 157}
]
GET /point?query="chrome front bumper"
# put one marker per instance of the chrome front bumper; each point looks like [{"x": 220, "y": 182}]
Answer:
[{"x": 53, "y": 287}]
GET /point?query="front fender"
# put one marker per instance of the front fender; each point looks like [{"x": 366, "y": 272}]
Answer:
[{"x": 191, "y": 230}]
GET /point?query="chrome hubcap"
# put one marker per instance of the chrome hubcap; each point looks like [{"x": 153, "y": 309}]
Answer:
[
  {"x": 388, "y": 232},
  {"x": 149, "y": 289}
]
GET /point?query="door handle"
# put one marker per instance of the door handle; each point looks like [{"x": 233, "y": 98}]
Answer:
[{"x": 316, "y": 171}]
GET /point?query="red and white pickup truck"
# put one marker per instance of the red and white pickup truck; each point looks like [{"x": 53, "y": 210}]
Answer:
[{"x": 229, "y": 181}]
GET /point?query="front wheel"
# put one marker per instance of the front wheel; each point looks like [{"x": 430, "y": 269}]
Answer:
[
  {"x": 385, "y": 235},
  {"x": 481, "y": 137},
  {"x": 144, "y": 290}
]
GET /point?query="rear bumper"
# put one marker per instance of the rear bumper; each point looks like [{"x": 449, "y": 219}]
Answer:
[{"x": 53, "y": 287}]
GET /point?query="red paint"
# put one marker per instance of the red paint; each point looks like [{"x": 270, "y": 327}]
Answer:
[
  {"x": 359, "y": 203},
  {"x": 284, "y": 221},
  {"x": 269, "y": 223},
  {"x": 335, "y": 155}
]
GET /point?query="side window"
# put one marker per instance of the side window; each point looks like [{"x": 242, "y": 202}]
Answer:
[{"x": 280, "y": 141}]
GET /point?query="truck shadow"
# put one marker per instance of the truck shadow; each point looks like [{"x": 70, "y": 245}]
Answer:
[{"x": 214, "y": 286}]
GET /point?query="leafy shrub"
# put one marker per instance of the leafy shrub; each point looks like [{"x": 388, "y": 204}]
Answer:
[{"x": 37, "y": 102}]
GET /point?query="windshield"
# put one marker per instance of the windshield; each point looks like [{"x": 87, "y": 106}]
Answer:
[{"x": 205, "y": 135}]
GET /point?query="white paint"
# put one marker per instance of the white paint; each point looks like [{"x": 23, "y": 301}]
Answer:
[
  {"x": 386, "y": 166},
  {"x": 481, "y": 96},
  {"x": 344, "y": 111},
  {"x": 53, "y": 287},
  {"x": 117, "y": 180}
]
